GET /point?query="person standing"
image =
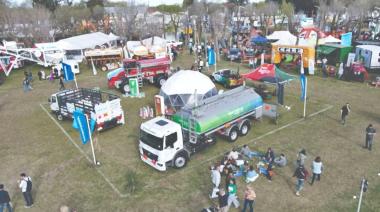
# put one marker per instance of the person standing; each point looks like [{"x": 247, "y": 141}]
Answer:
[
  {"x": 340, "y": 71},
  {"x": 61, "y": 83},
  {"x": 346, "y": 109},
  {"x": 223, "y": 201},
  {"x": 249, "y": 199},
  {"x": 5, "y": 200},
  {"x": 370, "y": 133},
  {"x": 39, "y": 74},
  {"x": 301, "y": 175},
  {"x": 25, "y": 184},
  {"x": 232, "y": 194},
  {"x": 215, "y": 178},
  {"x": 324, "y": 67},
  {"x": 301, "y": 157},
  {"x": 317, "y": 168},
  {"x": 25, "y": 84}
]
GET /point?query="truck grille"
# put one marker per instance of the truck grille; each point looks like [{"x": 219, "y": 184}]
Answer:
[{"x": 150, "y": 155}]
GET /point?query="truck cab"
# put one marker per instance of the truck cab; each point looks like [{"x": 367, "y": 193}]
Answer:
[{"x": 161, "y": 144}]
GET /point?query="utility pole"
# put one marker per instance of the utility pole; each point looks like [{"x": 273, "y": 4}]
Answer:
[{"x": 363, "y": 188}]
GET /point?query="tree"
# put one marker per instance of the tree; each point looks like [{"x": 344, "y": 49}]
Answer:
[
  {"x": 287, "y": 9},
  {"x": 70, "y": 21},
  {"x": 49, "y": 4},
  {"x": 187, "y": 3},
  {"x": 125, "y": 18},
  {"x": 174, "y": 12}
]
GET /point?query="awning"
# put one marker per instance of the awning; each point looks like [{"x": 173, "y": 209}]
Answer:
[{"x": 326, "y": 50}]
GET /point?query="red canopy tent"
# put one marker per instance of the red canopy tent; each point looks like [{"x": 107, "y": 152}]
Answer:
[{"x": 268, "y": 73}]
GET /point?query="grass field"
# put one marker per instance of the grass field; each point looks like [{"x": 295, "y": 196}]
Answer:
[{"x": 32, "y": 142}]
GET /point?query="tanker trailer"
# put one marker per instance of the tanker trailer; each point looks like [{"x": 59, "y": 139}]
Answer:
[{"x": 165, "y": 142}]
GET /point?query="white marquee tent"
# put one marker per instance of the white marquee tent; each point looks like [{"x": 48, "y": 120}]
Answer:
[
  {"x": 283, "y": 38},
  {"x": 329, "y": 39},
  {"x": 184, "y": 87},
  {"x": 86, "y": 41}
]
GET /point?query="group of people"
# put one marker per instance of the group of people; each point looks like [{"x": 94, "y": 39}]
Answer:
[
  {"x": 236, "y": 164},
  {"x": 233, "y": 165},
  {"x": 25, "y": 185},
  {"x": 54, "y": 74}
]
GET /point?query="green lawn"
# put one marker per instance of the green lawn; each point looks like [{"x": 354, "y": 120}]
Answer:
[{"x": 33, "y": 143}]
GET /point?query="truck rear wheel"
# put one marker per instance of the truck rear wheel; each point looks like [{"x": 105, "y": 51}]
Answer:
[
  {"x": 180, "y": 160},
  {"x": 104, "y": 68},
  {"x": 233, "y": 135},
  {"x": 160, "y": 81},
  {"x": 59, "y": 117},
  {"x": 244, "y": 129}
]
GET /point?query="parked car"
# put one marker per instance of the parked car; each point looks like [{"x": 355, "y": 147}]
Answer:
[
  {"x": 228, "y": 78},
  {"x": 233, "y": 54}
]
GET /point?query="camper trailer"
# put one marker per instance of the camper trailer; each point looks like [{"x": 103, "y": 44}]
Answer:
[{"x": 369, "y": 55}]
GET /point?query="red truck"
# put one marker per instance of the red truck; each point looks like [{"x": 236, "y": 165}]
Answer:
[{"x": 155, "y": 71}]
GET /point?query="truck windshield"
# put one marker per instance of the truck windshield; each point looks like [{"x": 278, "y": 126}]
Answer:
[{"x": 151, "y": 140}]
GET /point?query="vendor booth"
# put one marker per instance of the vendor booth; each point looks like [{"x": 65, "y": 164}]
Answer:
[
  {"x": 186, "y": 87},
  {"x": 270, "y": 73},
  {"x": 334, "y": 53},
  {"x": 289, "y": 57}
]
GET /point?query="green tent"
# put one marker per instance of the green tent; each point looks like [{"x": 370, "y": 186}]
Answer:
[{"x": 335, "y": 53}]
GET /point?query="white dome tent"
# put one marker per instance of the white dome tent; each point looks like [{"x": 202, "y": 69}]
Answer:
[{"x": 184, "y": 87}]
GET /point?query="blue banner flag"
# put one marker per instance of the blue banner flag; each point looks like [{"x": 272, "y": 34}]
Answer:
[
  {"x": 346, "y": 39},
  {"x": 68, "y": 72},
  {"x": 211, "y": 56},
  {"x": 80, "y": 123},
  {"x": 303, "y": 86}
]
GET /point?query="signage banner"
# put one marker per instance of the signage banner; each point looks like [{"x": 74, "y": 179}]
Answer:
[{"x": 346, "y": 39}]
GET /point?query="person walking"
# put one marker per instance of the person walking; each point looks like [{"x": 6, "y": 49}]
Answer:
[
  {"x": 223, "y": 201},
  {"x": 215, "y": 179},
  {"x": 25, "y": 184},
  {"x": 317, "y": 168},
  {"x": 232, "y": 194},
  {"x": 346, "y": 109},
  {"x": 25, "y": 84},
  {"x": 5, "y": 200},
  {"x": 249, "y": 199},
  {"x": 301, "y": 175},
  {"x": 370, "y": 133},
  {"x": 61, "y": 83},
  {"x": 301, "y": 157}
]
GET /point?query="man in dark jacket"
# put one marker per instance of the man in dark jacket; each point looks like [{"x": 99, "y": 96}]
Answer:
[
  {"x": 370, "y": 133},
  {"x": 301, "y": 175},
  {"x": 223, "y": 200},
  {"x": 5, "y": 200},
  {"x": 344, "y": 112}
]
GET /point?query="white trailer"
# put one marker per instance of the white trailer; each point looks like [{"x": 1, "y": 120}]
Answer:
[{"x": 370, "y": 54}]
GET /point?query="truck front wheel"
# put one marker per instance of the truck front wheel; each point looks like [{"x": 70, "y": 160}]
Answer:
[
  {"x": 59, "y": 117},
  {"x": 244, "y": 129},
  {"x": 180, "y": 161},
  {"x": 233, "y": 135}
]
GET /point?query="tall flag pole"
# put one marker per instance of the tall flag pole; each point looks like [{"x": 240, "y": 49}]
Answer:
[
  {"x": 91, "y": 142},
  {"x": 303, "y": 80},
  {"x": 82, "y": 124}
]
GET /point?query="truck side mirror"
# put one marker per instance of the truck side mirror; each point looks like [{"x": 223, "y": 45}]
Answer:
[{"x": 49, "y": 100}]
